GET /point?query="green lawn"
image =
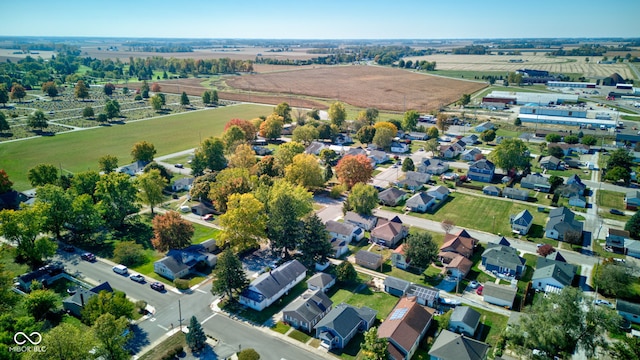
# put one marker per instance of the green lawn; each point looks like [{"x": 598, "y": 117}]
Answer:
[
  {"x": 493, "y": 325},
  {"x": 159, "y": 351},
  {"x": 281, "y": 327},
  {"x": 7, "y": 261},
  {"x": 359, "y": 294},
  {"x": 80, "y": 150},
  {"x": 203, "y": 233},
  {"x": 610, "y": 199},
  {"x": 300, "y": 336}
]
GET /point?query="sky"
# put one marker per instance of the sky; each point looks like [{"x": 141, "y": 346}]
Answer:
[{"x": 324, "y": 19}]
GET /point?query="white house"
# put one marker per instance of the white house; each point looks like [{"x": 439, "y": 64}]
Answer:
[
  {"x": 344, "y": 231},
  {"x": 399, "y": 259},
  {"x": 270, "y": 286},
  {"x": 464, "y": 320},
  {"x": 420, "y": 202},
  {"x": 367, "y": 222},
  {"x": 378, "y": 156},
  {"x": 182, "y": 184},
  {"x": 439, "y": 192},
  {"x": 398, "y": 147}
]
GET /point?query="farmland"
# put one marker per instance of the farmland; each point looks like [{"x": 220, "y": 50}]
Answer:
[{"x": 80, "y": 150}]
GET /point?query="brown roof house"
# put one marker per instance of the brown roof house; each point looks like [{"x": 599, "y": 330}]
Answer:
[
  {"x": 458, "y": 267},
  {"x": 461, "y": 243},
  {"x": 389, "y": 232},
  {"x": 369, "y": 259},
  {"x": 405, "y": 328}
]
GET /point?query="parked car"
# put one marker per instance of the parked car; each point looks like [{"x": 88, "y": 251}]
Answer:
[
  {"x": 69, "y": 248},
  {"x": 479, "y": 290},
  {"x": 603, "y": 302},
  {"x": 450, "y": 302},
  {"x": 157, "y": 286},
  {"x": 88, "y": 256},
  {"x": 474, "y": 284},
  {"x": 137, "y": 278},
  {"x": 616, "y": 212},
  {"x": 120, "y": 269},
  {"x": 179, "y": 166},
  {"x": 208, "y": 217}
]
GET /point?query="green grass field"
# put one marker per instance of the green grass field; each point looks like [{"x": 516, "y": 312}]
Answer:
[
  {"x": 610, "y": 199},
  {"x": 80, "y": 150}
]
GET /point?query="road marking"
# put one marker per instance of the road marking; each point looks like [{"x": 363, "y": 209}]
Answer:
[
  {"x": 163, "y": 328},
  {"x": 205, "y": 320},
  {"x": 152, "y": 319},
  {"x": 202, "y": 291}
]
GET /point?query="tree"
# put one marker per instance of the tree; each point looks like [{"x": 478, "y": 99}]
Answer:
[
  {"x": 151, "y": 184},
  {"x": 560, "y": 324},
  {"x": 545, "y": 250},
  {"x": 271, "y": 128},
  {"x": 65, "y": 342},
  {"x": 206, "y": 97},
  {"x": 114, "y": 303},
  {"x": 620, "y": 158},
  {"x": 326, "y": 132},
  {"x": 327, "y": 173},
  {"x": 626, "y": 348},
  {"x": 107, "y": 163},
  {"x": 22, "y": 228},
  {"x": 618, "y": 173},
  {"x": 156, "y": 102},
  {"x": 386, "y": 124},
  {"x": 517, "y": 122},
  {"x": 239, "y": 233},
  {"x": 374, "y": 347},
  {"x": 354, "y": 169},
  {"x": 407, "y": 165},
  {"x": 447, "y": 225},
  {"x": 196, "y": 339},
  {"x": 143, "y": 151},
  {"x": 267, "y": 166},
  {"x": 37, "y": 120},
  {"x": 383, "y": 137},
  {"x": 421, "y": 249},
  {"x": 573, "y": 237},
  {"x": 555, "y": 151},
  {"x": 4, "y": 95},
  {"x": 144, "y": 89},
  {"x": 164, "y": 172},
  {"x": 305, "y": 171},
  {"x": 314, "y": 244},
  {"x": 337, "y": 114},
  {"x": 410, "y": 120},
  {"x": 511, "y": 154},
  {"x": 18, "y": 92},
  {"x": 50, "y": 89},
  {"x": 327, "y": 155},
  {"x": 184, "y": 99},
  {"x": 88, "y": 112},
  {"x": 589, "y": 140},
  {"x": 287, "y": 151},
  {"x": 4, "y": 124},
  {"x": 243, "y": 157},
  {"x": 112, "y": 108},
  {"x": 555, "y": 181},
  {"x": 248, "y": 354},
  {"x": 229, "y": 277},
  {"x": 371, "y": 115},
  {"x": 85, "y": 218},
  {"x": 116, "y": 197},
  {"x": 102, "y": 118},
  {"x": 214, "y": 97},
  {"x": 633, "y": 225},
  {"x": 108, "y": 89},
  {"x": 365, "y": 134},
  {"x": 5, "y": 183},
  {"x": 155, "y": 87},
  {"x": 465, "y": 99},
  {"x": 56, "y": 208},
  {"x": 284, "y": 111},
  {"x": 553, "y": 138},
  {"x": 110, "y": 330},
  {"x": 246, "y": 126},
  {"x": 488, "y": 135},
  {"x": 211, "y": 154},
  {"x": 305, "y": 134},
  {"x": 345, "y": 272},
  {"x": 363, "y": 198},
  {"x": 171, "y": 231},
  {"x": 230, "y": 181},
  {"x": 443, "y": 122},
  {"x": 433, "y": 132},
  {"x": 432, "y": 145},
  {"x": 284, "y": 227},
  {"x": 39, "y": 302},
  {"x": 613, "y": 279},
  {"x": 232, "y": 137},
  {"x": 42, "y": 174},
  {"x": 81, "y": 90},
  {"x": 84, "y": 182},
  {"x": 571, "y": 139}
]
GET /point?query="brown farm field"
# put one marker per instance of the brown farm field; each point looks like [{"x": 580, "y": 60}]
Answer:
[{"x": 361, "y": 86}]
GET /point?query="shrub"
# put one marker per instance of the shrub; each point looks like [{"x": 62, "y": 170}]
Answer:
[
  {"x": 248, "y": 354},
  {"x": 337, "y": 191},
  {"x": 138, "y": 98},
  {"x": 141, "y": 305},
  {"x": 129, "y": 253},
  {"x": 181, "y": 284}
]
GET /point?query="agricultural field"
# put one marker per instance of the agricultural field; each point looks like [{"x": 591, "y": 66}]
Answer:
[
  {"x": 362, "y": 86},
  {"x": 80, "y": 150}
]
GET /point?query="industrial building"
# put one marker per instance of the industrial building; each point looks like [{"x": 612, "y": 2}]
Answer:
[
  {"x": 565, "y": 120},
  {"x": 571, "y": 84},
  {"x": 554, "y": 111},
  {"x": 522, "y": 98}
]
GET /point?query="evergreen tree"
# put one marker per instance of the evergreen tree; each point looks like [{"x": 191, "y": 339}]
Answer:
[
  {"x": 184, "y": 99},
  {"x": 196, "y": 339},
  {"x": 230, "y": 277}
]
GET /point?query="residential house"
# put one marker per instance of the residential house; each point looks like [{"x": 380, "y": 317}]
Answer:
[
  {"x": 356, "y": 151},
  {"x": 202, "y": 209},
  {"x": 552, "y": 274},
  {"x": 399, "y": 147},
  {"x": 409, "y": 184},
  {"x": 414, "y": 180},
  {"x": 391, "y": 196},
  {"x": 366, "y": 222},
  {"x": 536, "y": 182},
  {"x": 578, "y": 201},
  {"x": 481, "y": 170},
  {"x": 45, "y": 275},
  {"x": 521, "y": 222},
  {"x": 178, "y": 263},
  {"x": 399, "y": 259},
  {"x": 396, "y": 286},
  {"x": 470, "y": 154},
  {"x": 501, "y": 259},
  {"x": 500, "y": 295},
  {"x": 562, "y": 221},
  {"x": 432, "y": 166},
  {"x": 338, "y": 247},
  {"x": 485, "y": 126},
  {"x": 461, "y": 243},
  {"x": 342, "y": 323},
  {"x": 389, "y": 232},
  {"x": 451, "y": 346},
  {"x": 315, "y": 147},
  {"x": 515, "y": 194},
  {"x": 378, "y": 156},
  {"x": 321, "y": 281},
  {"x": 633, "y": 248},
  {"x": 76, "y": 302},
  {"x": 420, "y": 202},
  {"x": 570, "y": 190},
  {"x": 414, "y": 135},
  {"x": 270, "y": 286},
  {"x": 369, "y": 259},
  {"x": 307, "y": 309},
  {"x": 575, "y": 180},
  {"x": 491, "y": 190},
  {"x": 567, "y": 149},
  {"x": 470, "y": 139},
  {"x": 133, "y": 169},
  {"x": 632, "y": 200},
  {"x": 464, "y": 320},
  {"x": 550, "y": 163},
  {"x": 448, "y": 151},
  {"x": 459, "y": 146},
  {"x": 342, "y": 138},
  {"x": 261, "y": 150},
  {"x": 344, "y": 231},
  {"x": 439, "y": 192},
  {"x": 405, "y": 328},
  {"x": 616, "y": 240},
  {"x": 425, "y": 295},
  {"x": 182, "y": 184},
  {"x": 458, "y": 267},
  {"x": 628, "y": 310}
]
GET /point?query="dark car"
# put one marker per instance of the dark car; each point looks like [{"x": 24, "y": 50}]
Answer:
[
  {"x": 616, "y": 212},
  {"x": 137, "y": 278},
  {"x": 88, "y": 257},
  {"x": 69, "y": 248},
  {"x": 157, "y": 286}
]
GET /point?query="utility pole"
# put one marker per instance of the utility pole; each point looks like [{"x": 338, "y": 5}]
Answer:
[{"x": 180, "y": 314}]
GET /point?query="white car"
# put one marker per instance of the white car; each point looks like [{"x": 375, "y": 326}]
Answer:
[
  {"x": 452, "y": 302},
  {"x": 603, "y": 303},
  {"x": 474, "y": 284}
]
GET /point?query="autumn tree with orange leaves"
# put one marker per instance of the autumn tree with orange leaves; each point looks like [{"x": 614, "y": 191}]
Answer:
[
  {"x": 245, "y": 125},
  {"x": 171, "y": 231},
  {"x": 354, "y": 169}
]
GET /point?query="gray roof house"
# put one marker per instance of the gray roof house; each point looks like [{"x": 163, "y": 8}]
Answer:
[
  {"x": 500, "y": 295},
  {"x": 550, "y": 163},
  {"x": 182, "y": 184},
  {"x": 464, "y": 320},
  {"x": 521, "y": 222},
  {"x": 315, "y": 147},
  {"x": 439, "y": 192},
  {"x": 76, "y": 302},
  {"x": 344, "y": 231},
  {"x": 270, "y": 286},
  {"x": 391, "y": 196},
  {"x": 470, "y": 139},
  {"x": 536, "y": 182},
  {"x": 552, "y": 274},
  {"x": 378, "y": 156},
  {"x": 341, "y": 324},
  {"x": 628, "y": 310},
  {"x": 516, "y": 194},
  {"x": 307, "y": 309},
  {"x": 134, "y": 168},
  {"x": 632, "y": 200},
  {"x": 180, "y": 262},
  {"x": 491, "y": 190},
  {"x": 451, "y": 346},
  {"x": 396, "y": 286},
  {"x": 432, "y": 166},
  {"x": 570, "y": 190},
  {"x": 502, "y": 259},
  {"x": 369, "y": 259},
  {"x": 321, "y": 281},
  {"x": 470, "y": 154},
  {"x": 420, "y": 202},
  {"x": 562, "y": 221},
  {"x": 414, "y": 180},
  {"x": 485, "y": 126},
  {"x": 367, "y": 222}
]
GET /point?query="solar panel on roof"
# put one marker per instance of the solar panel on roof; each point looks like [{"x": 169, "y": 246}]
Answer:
[{"x": 398, "y": 314}]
